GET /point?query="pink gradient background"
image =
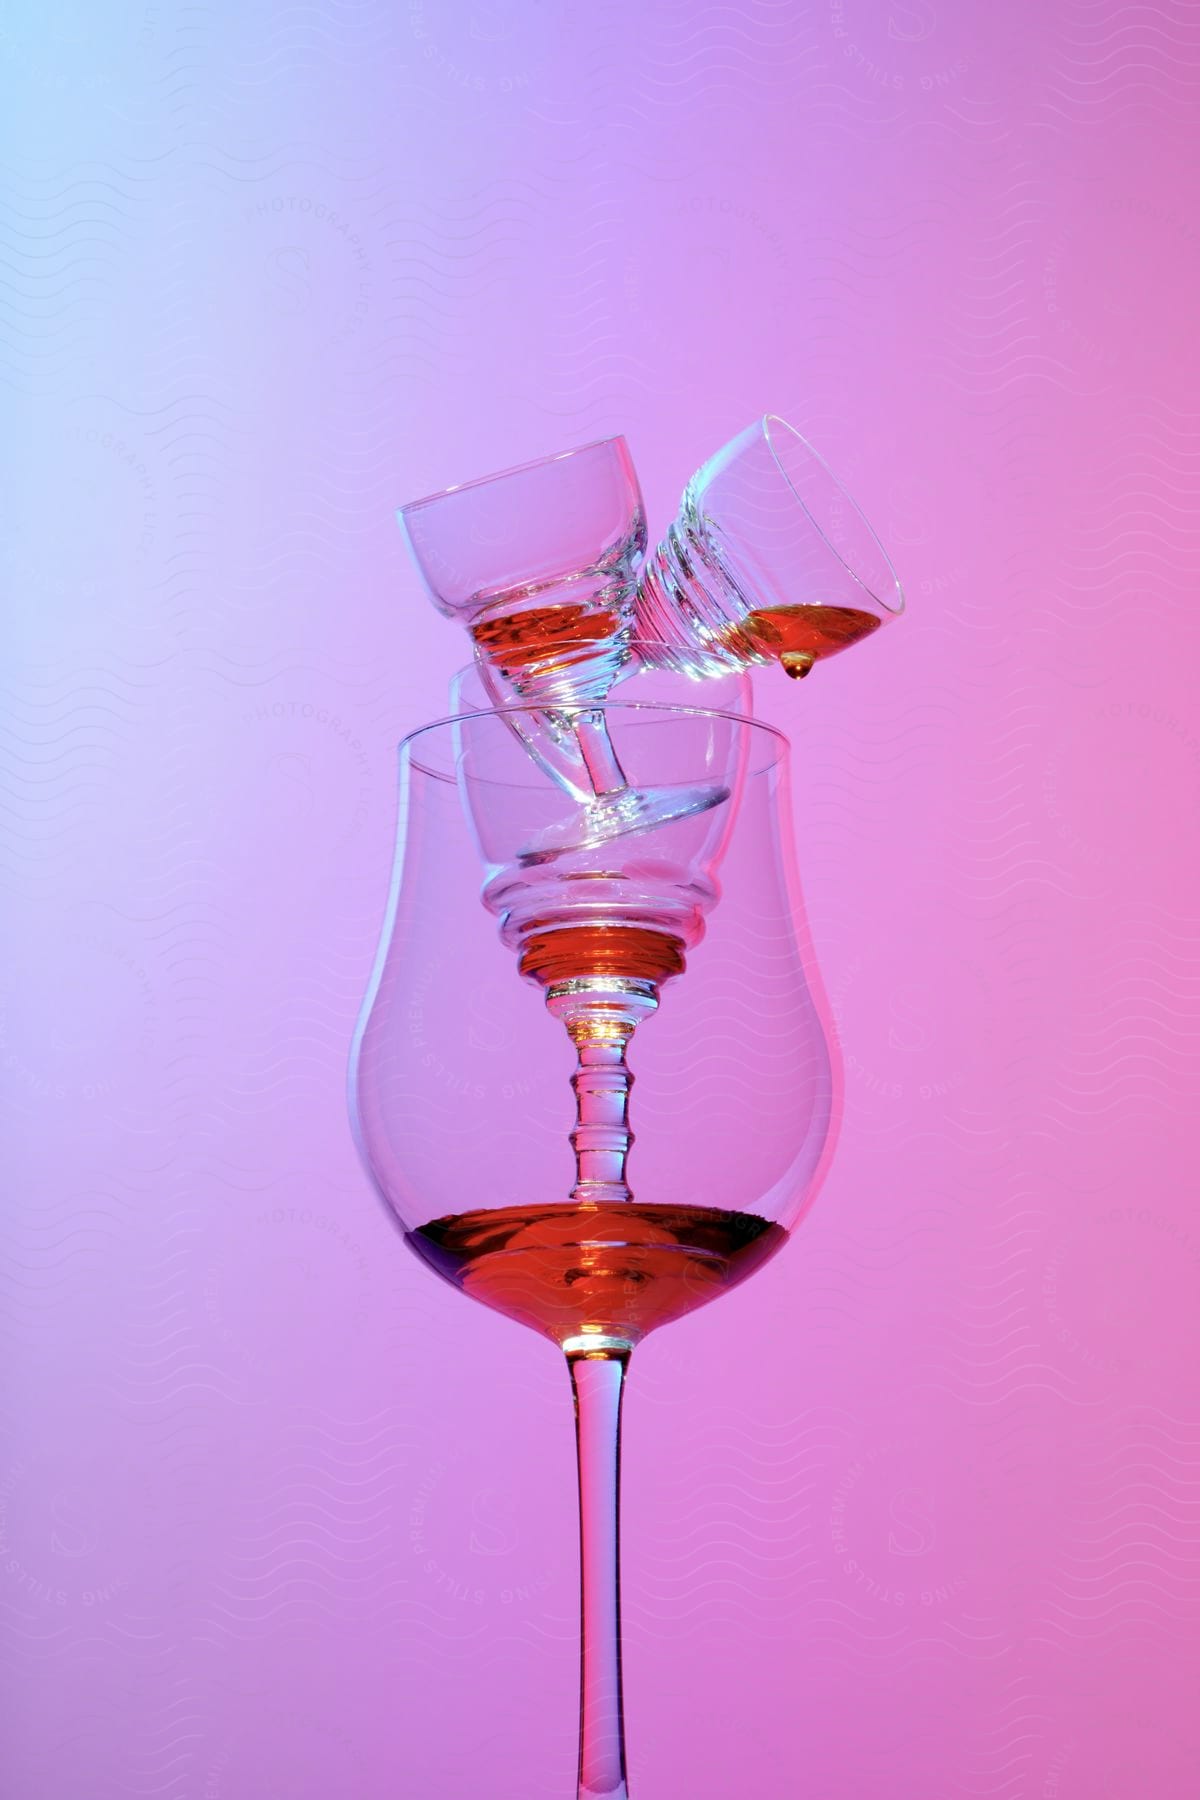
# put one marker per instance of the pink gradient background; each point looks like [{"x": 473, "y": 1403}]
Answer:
[{"x": 916, "y": 1512}]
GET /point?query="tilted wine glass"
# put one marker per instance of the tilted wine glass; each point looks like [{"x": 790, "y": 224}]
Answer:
[
  {"x": 681, "y": 948},
  {"x": 769, "y": 560}
]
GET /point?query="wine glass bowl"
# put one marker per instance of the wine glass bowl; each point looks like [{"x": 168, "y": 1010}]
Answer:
[
  {"x": 687, "y": 934},
  {"x": 769, "y": 560},
  {"x": 538, "y": 563}
]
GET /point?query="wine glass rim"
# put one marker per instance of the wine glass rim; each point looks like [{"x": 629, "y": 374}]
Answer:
[
  {"x": 895, "y": 605},
  {"x": 535, "y": 462},
  {"x": 782, "y": 743}
]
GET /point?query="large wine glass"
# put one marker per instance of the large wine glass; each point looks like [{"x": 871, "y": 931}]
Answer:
[{"x": 680, "y": 950}]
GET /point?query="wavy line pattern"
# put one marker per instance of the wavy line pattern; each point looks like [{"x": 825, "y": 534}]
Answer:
[{"x": 914, "y": 1511}]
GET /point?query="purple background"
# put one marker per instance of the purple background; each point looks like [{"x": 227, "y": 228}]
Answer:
[{"x": 916, "y": 1512}]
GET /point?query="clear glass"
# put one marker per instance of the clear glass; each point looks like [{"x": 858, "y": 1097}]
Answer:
[
  {"x": 660, "y": 681},
  {"x": 538, "y": 562},
  {"x": 680, "y": 949},
  {"x": 657, "y": 681},
  {"x": 769, "y": 560}
]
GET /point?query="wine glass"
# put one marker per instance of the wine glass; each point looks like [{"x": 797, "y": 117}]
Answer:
[
  {"x": 680, "y": 948},
  {"x": 538, "y": 563},
  {"x": 769, "y": 560}
]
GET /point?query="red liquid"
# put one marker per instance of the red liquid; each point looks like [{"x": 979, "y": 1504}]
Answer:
[
  {"x": 618, "y": 1271},
  {"x": 798, "y": 636},
  {"x": 794, "y": 636},
  {"x": 513, "y": 640},
  {"x": 590, "y": 949}
]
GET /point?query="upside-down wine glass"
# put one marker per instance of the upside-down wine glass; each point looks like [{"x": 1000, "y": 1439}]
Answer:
[
  {"x": 538, "y": 563},
  {"x": 681, "y": 949}
]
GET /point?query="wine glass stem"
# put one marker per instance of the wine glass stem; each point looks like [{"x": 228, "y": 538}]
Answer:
[
  {"x": 599, "y": 755},
  {"x": 598, "y": 1380},
  {"x": 541, "y": 733}
]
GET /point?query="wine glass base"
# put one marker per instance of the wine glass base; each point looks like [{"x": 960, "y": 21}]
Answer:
[{"x": 616, "y": 815}]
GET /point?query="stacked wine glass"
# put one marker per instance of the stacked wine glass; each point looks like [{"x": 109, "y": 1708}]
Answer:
[{"x": 602, "y": 790}]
